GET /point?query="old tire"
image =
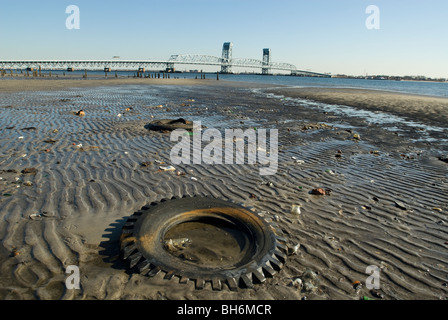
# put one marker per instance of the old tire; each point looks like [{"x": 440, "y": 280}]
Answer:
[
  {"x": 143, "y": 244},
  {"x": 170, "y": 125}
]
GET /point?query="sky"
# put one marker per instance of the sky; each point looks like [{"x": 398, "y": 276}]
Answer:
[{"x": 327, "y": 36}]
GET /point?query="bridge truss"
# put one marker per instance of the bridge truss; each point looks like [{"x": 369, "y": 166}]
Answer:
[{"x": 175, "y": 60}]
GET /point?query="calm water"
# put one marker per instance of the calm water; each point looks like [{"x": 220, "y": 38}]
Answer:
[{"x": 422, "y": 88}]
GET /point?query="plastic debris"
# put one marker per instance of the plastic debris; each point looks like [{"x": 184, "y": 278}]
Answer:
[
  {"x": 174, "y": 245},
  {"x": 357, "y": 285},
  {"x": 295, "y": 209},
  {"x": 169, "y": 168},
  {"x": 310, "y": 280},
  {"x": 36, "y": 216},
  {"x": 297, "y": 283},
  {"x": 293, "y": 250}
]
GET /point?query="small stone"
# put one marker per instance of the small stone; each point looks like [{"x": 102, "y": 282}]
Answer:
[
  {"x": 29, "y": 171},
  {"x": 400, "y": 205}
]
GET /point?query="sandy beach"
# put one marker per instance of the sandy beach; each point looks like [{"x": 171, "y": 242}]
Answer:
[{"x": 378, "y": 152}]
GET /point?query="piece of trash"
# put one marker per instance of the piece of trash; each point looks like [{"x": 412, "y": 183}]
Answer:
[
  {"x": 400, "y": 205},
  {"x": 21, "y": 137},
  {"x": 270, "y": 184},
  {"x": 330, "y": 171},
  {"x": 7, "y": 195},
  {"x": 321, "y": 192},
  {"x": 174, "y": 245},
  {"x": 297, "y": 283},
  {"x": 293, "y": 250},
  {"x": 194, "y": 179},
  {"x": 310, "y": 280},
  {"x": 169, "y": 168},
  {"x": 28, "y": 184},
  {"x": 80, "y": 113},
  {"x": 437, "y": 209},
  {"x": 367, "y": 298},
  {"x": 50, "y": 141},
  {"x": 357, "y": 285},
  {"x": 126, "y": 152},
  {"x": 55, "y": 131},
  {"x": 119, "y": 115},
  {"x": 300, "y": 161},
  {"x": 295, "y": 209},
  {"x": 36, "y": 216},
  {"x": 356, "y": 136}
]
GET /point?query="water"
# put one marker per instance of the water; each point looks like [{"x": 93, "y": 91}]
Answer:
[{"x": 439, "y": 89}]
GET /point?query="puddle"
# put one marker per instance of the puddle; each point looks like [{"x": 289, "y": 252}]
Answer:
[
  {"x": 211, "y": 242},
  {"x": 389, "y": 121}
]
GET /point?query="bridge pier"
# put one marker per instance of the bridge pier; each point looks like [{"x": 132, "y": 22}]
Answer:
[
  {"x": 226, "y": 64},
  {"x": 266, "y": 62}
]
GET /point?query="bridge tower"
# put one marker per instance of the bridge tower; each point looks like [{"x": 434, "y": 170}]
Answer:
[
  {"x": 266, "y": 61},
  {"x": 226, "y": 64}
]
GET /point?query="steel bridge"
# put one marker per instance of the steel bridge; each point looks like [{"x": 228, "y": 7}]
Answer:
[{"x": 226, "y": 63}]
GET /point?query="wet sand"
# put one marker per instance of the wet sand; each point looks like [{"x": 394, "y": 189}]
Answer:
[{"x": 388, "y": 203}]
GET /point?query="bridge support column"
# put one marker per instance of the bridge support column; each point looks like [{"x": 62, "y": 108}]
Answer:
[
  {"x": 226, "y": 64},
  {"x": 266, "y": 61}
]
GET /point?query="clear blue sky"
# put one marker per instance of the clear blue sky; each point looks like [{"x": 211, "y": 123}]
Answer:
[{"x": 320, "y": 35}]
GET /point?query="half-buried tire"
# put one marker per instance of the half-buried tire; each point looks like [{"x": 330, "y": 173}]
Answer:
[
  {"x": 170, "y": 125},
  {"x": 203, "y": 240}
]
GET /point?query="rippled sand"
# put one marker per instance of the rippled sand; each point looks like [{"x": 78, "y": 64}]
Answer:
[{"x": 89, "y": 179}]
